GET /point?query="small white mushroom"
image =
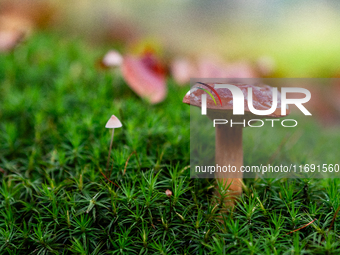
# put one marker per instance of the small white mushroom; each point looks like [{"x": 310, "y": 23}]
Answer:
[
  {"x": 112, "y": 123},
  {"x": 112, "y": 59}
]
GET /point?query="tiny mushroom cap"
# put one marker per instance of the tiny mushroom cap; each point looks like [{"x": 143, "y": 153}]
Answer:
[
  {"x": 112, "y": 59},
  {"x": 168, "y": 192},
  {"x": 113, "y": 122},
  {"x": 228, "y": 139}
]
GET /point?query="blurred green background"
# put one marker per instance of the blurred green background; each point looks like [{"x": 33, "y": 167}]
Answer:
[{"x": 301, "y": 37}]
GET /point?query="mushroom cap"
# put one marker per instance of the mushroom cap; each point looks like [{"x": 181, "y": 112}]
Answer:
[
  {"x": 262, "y": 100},
  {"x": 113, "y": 122},
  {"x": 112, "y": 59},
  {"x": 168, "y": 193}
]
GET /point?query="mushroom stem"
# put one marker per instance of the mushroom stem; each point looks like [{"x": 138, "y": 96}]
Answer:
[
  {"x": 228, "y": 151},
  {"x": 108, "y": 158}
]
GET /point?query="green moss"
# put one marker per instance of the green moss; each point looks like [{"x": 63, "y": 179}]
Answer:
[{"x": 54, "y": 104}]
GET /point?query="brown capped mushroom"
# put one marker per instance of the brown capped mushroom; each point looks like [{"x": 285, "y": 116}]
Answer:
[
  {"x": 168, "y": 193},
  {"x": 228, "y": 139}
]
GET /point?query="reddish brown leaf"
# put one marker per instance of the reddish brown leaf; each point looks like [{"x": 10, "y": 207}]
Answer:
[{"x": 145, "y": 76}]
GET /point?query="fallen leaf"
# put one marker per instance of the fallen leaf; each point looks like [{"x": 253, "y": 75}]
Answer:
[{"x": 146, "y": 76}]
